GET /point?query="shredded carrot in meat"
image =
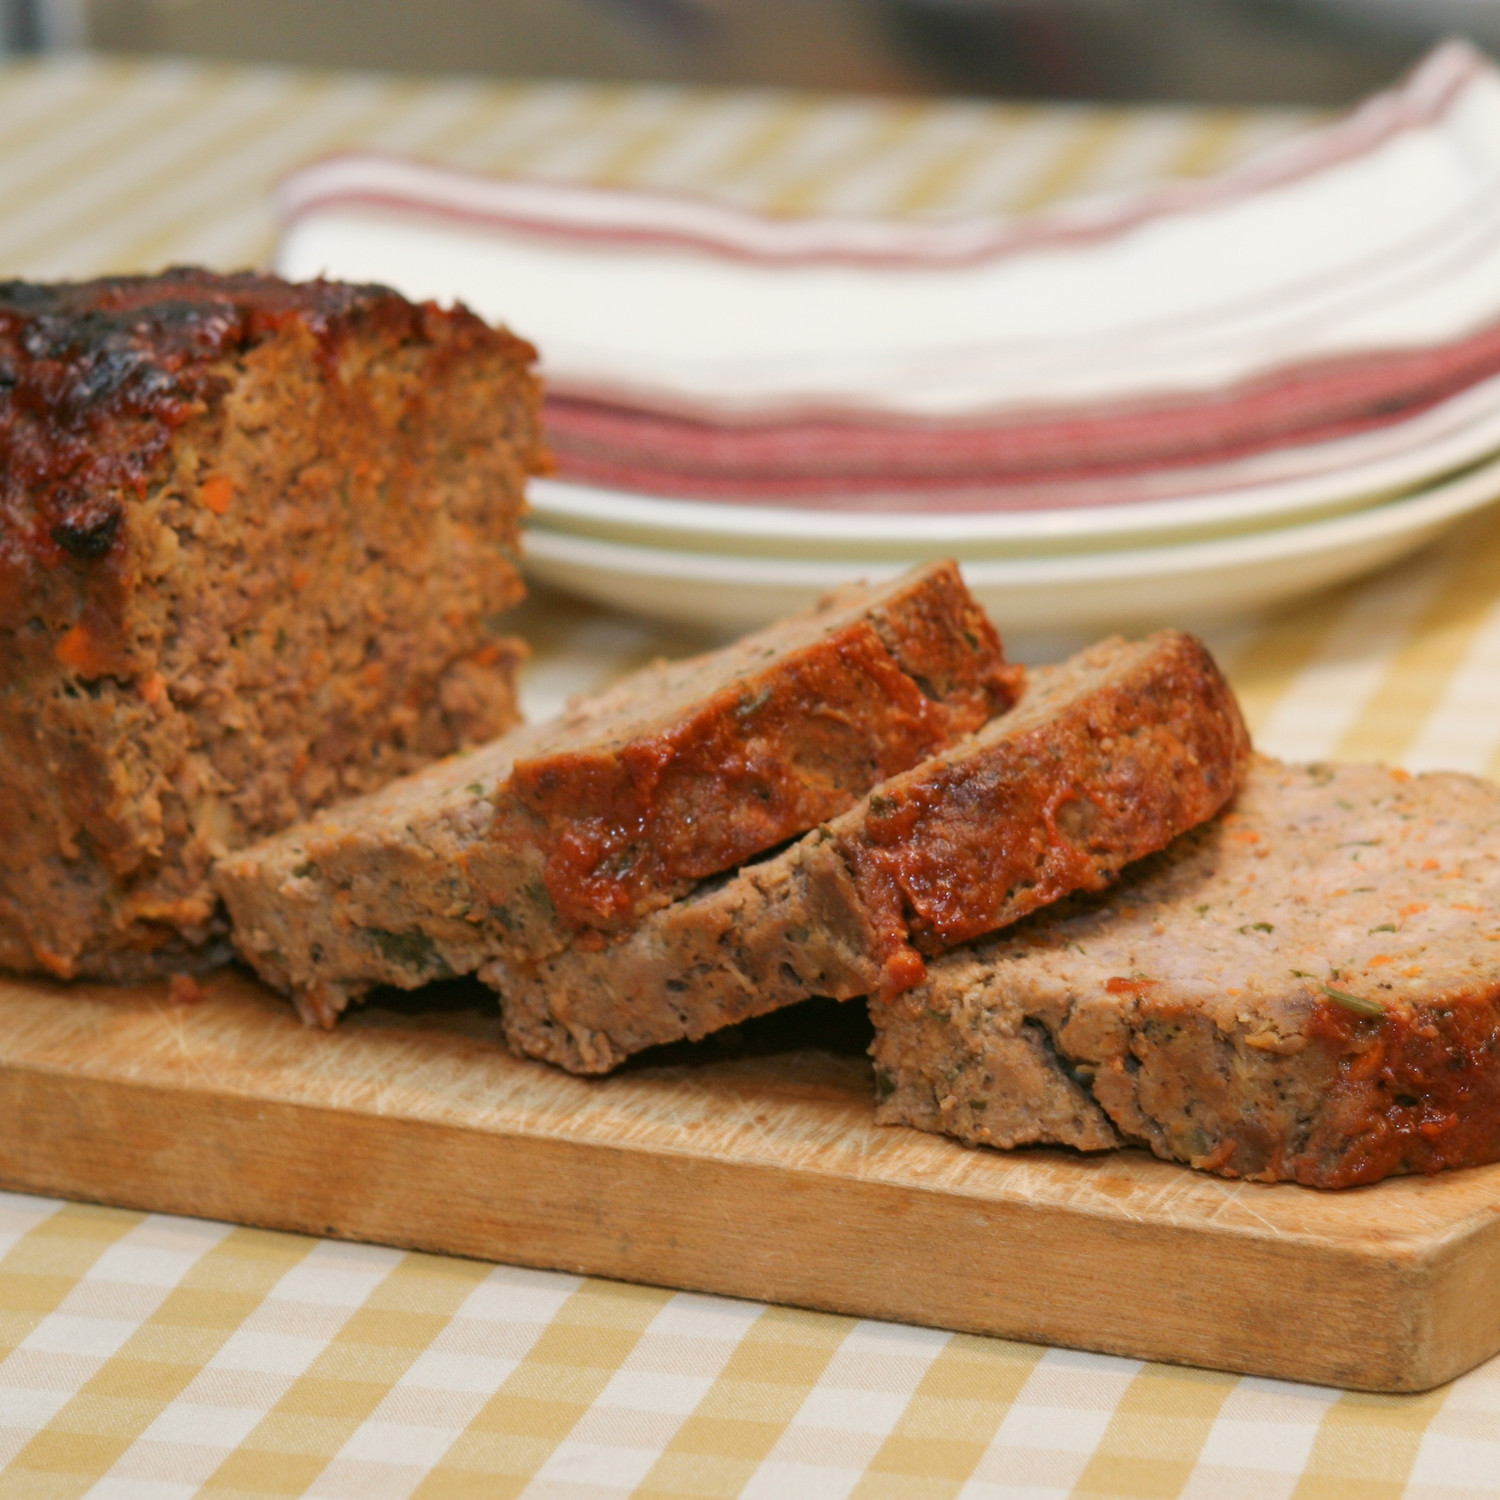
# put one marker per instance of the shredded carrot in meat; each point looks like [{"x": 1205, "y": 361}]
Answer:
[
  {"x": 78, "y": 649},
  {"x": 217, "y": 493},
  {"x": 1432, "y": 864},
  {"x": 1414, "y": 910},
  {"x": 1379, "y": 959},
  {"x": 1122, "y": 984}
]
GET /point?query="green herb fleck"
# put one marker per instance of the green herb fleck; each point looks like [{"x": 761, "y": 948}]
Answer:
[
  {"x": 412, "y": 950},
  {"x": 303, "y": 870},
  {"x": 752, "y": 704},
  {"x": 1385, "y": 927},
  {"x": 1204, "y": 909},
  {"x": 1357, "y": 1003},
  {"x": 1258, "y": 927}
]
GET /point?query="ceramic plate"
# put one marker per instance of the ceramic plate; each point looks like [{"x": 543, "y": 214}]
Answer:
[
  {"x": 1366, "y": 470},
  {"x": 1089, "y": 591}
]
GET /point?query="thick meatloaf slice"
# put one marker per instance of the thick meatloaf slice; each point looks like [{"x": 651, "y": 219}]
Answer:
[
  {"x": 554, "y": 837},
  {"x": 255, "y": 543},
  {"x": 1107, "y": 758},
  {"x": 1306, "y": 988}
]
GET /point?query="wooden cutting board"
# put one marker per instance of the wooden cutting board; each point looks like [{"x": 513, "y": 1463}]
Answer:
[{"x": 750, "y": 1167}]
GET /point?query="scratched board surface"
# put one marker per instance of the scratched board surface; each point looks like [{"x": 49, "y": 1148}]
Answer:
[{"x": 748, "y": 1166}]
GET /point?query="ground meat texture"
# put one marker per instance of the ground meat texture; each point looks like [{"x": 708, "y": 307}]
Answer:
[
  {"x": 562, "y": 836},
  {"x": 1308, "y": 988},
  {"x": 1107, "y": 757},
  {"x": 256, "y": 544}
]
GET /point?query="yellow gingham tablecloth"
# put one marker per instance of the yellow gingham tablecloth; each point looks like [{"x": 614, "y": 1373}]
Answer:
[{"x": 148, "y": 1358}]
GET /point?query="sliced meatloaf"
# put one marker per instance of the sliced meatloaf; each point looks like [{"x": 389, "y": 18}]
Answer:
[
  {"x": 555, "y": 837},
  {"x": 1108, "y": 757},
  {"x": 1306, "y": 988},
  {"x": 256, "y": 541}
]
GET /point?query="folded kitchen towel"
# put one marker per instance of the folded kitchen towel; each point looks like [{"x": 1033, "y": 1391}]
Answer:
[{"x": 1333, "y": 302}]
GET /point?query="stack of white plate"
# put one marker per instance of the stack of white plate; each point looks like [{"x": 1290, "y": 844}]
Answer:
[
  {"x": 1186, "y": 401},
  {"x": 732, "y": 567}
]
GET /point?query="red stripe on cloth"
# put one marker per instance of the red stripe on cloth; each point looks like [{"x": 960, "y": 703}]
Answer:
[{"x": 838, "y": 461}]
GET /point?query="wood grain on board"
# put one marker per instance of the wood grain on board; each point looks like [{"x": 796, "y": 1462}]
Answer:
[{"x": 758, "y": 1175}]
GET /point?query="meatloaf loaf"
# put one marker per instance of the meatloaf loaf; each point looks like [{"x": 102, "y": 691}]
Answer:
[
  {"x": 1306, "y": 988},
  {"x": 255, "y": 541},
  {"x": 555, "y": 837},
  {"x": 1107, "y": 758}
]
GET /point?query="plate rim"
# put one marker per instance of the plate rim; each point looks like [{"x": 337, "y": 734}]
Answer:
[{"x": 1447, "y": 501}]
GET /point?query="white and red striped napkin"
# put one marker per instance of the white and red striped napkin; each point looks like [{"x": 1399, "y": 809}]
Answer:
[{"x": 1331, "y": 307}]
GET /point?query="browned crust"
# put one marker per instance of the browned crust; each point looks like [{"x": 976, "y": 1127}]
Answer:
[
  {"x": 97, "y": 377},
  {"x": 790, "y": 738},
  {"x": 972, "y": 842},
  {"x": 1139, "y": 740}
]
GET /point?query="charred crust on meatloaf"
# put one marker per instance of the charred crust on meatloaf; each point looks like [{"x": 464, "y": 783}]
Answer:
[{"x": 96, "y": 376}]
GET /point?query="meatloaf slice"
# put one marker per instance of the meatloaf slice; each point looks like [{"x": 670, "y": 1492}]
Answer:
[
  {"x": 557, "y": 836},
  {"x": 1108, "y": 757},
  {"x": 256, "y": 540},
  {"x": 1307, "y": 988}
]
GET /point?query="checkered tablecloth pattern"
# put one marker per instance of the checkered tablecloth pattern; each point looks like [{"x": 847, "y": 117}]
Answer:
[{"x": 150, "y": 1358}]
